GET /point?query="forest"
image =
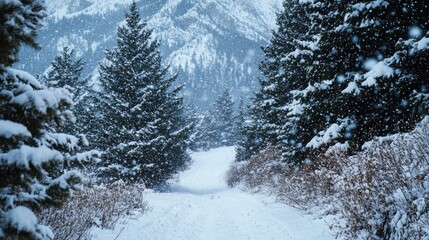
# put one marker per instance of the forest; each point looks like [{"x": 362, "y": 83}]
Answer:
[{"x": 338, "y": 125}]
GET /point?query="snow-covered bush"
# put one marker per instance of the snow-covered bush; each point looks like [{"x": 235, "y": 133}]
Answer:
[
  {"x": 96, "y": 205},
  {"x": 383, "y": 191},
  {"x": 309, "y": 186},
  {"x": 259, "y": 172},
  {"x": 304, "y": 187}
]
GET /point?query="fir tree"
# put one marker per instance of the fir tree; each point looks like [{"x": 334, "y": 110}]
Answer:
[
  {"x": 65, "y": 72},
  {"x": 241, "y": 129},
  {"x": 320, "y": 89},
  {"x": 223, "y": 120},
  {"x": 145, "y": 133},
  {"x": 34, "y": 158},
  {"x": 276, "y": 111},
  {"x": 254, "y": 137},
  {"x": 194, "y": 119},
  {"x": 216, "y": 127},
  {"x": 19, "y": 21},
  {"x": 285, "y": 68},
  {"x": 204, "y": 134},
  {"x": 361, "y": 87}
]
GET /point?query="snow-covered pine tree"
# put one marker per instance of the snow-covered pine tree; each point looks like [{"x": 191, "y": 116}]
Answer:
[
  {"x": 240, "y": 124},
  {"x": 254, "y": 136},
  {"x": 276, "y": 110},
  {"x": 368, "y": 71},
  {"x": 240, "y": 119},
  {"x": 203, "y": 132},
  {"x": 195, "y": 119},
  {"x": 285, "y": 67},
  {"x": 222, "y": 115},
  {"x": 145, "y": 135},
  {"x": 19, "y": 23},
  {"x": 65, "y": 72},
  {"x": 34, "y": 158}
]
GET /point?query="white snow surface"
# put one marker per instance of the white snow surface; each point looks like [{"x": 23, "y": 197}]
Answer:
[
  {"x": 22, "y": 218},
  {"x": 9, "y": 129},
  {"x": 201, "y": 206},
  {"x": 27, "y": 156}
]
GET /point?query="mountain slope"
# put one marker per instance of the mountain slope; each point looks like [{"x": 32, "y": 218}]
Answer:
[{"x": 212, "y": 44}]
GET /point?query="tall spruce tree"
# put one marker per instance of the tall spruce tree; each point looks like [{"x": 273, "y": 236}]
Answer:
[
  {"x": 242, "y": 122},
  {"x": 216, "y": 127},
  {"x": 223, "y": 120},
  {"x": 201, "y": 135},
  {"x": 285, "y": 67},
  {"x": 362, "y": 61},
  {"x": 367, "y": 72},
  {"x": 65, "y": 72},
  {"x": 34, "y": 157},
  {"x": 275, "y": 110},
  {"x": 254, "y": 137},
  {"x": 141, "y": 116}
]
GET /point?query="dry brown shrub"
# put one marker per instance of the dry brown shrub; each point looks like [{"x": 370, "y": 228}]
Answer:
[
  {"x": 305, "y": 186},
  {"x": 96, "y": 205},
  {"x": 260, "y": 171},
  {"x": 310, "y": 185},
  {"x": 383, "y": 192}
]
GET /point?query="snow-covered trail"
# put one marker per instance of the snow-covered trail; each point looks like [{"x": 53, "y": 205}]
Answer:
[{"x": 201, "y": 207}]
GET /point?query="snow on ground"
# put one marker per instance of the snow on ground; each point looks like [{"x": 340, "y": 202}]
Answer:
[{"x": 202, "y": 207}]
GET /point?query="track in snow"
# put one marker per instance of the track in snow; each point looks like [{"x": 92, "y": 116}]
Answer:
[{"x": 201, "y": 207}]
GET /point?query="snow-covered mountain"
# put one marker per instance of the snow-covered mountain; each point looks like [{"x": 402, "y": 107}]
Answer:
[{"x": 212, "y": 44}]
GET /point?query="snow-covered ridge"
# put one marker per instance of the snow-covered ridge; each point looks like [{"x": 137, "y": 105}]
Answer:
[
  {"x": 59, "y": 9},
  {"x": 212, "y": 44}
]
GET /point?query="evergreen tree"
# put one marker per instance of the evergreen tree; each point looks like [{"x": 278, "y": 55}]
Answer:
[
  {"x": 285, "y": 68},
  {"x": 194, "y": 119},
  {"x": 34, "y": 158},
  {"x": 342, "y": 72},
  {"x": 222, "y": 124},
  {"x": 141, "y": 118},
  {"x": 204, "y": 134},
  {"x": 361, "y": 86},
  {"x": 216, "y": 127},
  {"x": 254, "y": 137},
  {"x": 240, "y": 119},
  {"x": 241, "y": 128},
  {"x": 65, "y": 72},
  {"x": 275, "y": 111},
  {"x": 19, "y": 21}
]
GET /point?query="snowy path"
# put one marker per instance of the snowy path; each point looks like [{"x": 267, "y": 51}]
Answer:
[{"x": 201, "y": 207}]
